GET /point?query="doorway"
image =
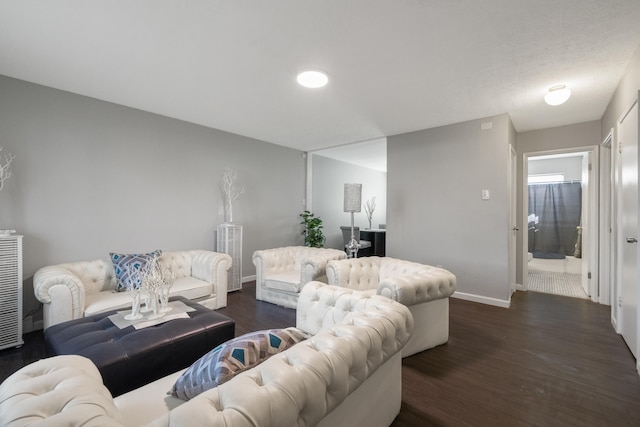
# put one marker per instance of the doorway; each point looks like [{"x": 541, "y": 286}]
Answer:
[{"x": 560, "y": 215}]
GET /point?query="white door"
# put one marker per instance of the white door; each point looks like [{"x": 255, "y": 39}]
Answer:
[{"x": 628, "y": 137}]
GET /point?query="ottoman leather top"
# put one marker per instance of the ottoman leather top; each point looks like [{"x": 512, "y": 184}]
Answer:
[{"x": 129, "y": 358}]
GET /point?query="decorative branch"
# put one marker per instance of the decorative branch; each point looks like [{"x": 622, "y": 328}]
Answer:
[
  {"x": 369, "y": 207},
  {"x": 5, "y": 172},
  {"x": 230, "y": 192}
]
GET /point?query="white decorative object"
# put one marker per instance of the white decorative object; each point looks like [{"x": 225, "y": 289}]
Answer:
[
  {"x": 135, "y": 305},
  {"x": 5, "y": 171},
  {"x": 11, "y": 291},
  {"x": 156, "y": 283},
  {"x": 230, "y": 192},
  {"x": 168, "y": 277},
  {"x": 133, "y": 290},
  {"x": 230, "y": 243},
  {"x": 369, "y": 207}
]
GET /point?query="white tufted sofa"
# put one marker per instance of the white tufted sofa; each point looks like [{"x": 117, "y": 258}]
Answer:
[
  {"x": 348, "y": 373},
  {"x": 73, "y": 290},
  {"x": 281, "y": 273},
  {"x": 423, "y": 288}
]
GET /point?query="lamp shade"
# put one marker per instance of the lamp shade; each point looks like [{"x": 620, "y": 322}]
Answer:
[{"x": 352, "y": 197}]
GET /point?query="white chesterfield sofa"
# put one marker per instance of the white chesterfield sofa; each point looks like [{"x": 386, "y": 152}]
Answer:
[
  {"x": 281, "y": 273},
  {"x": 348, "y": 373},
  {"x": 423, "y": 288},
  {"x": 78, "y": 289}
]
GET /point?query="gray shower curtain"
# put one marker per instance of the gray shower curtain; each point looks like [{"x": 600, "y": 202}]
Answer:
[{"x": 555, "y": 210}]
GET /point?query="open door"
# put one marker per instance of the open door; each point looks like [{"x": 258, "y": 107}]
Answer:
[{"x": 628, "y": 228}]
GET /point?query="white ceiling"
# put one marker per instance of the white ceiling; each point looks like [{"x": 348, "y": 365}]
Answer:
[{"x": 394, "y": 66}]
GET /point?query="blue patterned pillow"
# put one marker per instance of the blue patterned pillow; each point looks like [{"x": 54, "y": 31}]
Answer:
[
  {"x": 123, "y": 264},
  {"x": 235, "y": 356}
]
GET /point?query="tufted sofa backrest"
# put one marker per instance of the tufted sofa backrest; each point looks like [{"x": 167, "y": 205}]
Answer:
[
  {"x": 179, "y": 262},
  {"x": 360, "y": 274},
  {"x": 96, "y": 276}
]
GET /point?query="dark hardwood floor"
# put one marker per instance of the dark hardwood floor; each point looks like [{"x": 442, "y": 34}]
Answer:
[{"x": 546, "y": 361}]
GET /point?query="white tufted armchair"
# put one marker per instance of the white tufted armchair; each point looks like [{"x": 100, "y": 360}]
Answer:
[
  {"x": 281, "y": 273},
  {"x": 423, "y": 288},
  {"x": 73, "y": 290}
]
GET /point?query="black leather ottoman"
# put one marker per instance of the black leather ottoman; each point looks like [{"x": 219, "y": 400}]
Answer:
[{"x": 129, "y": 358}]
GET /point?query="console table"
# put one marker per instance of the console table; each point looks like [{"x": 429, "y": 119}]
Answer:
[{"x": 377, "y": 239}]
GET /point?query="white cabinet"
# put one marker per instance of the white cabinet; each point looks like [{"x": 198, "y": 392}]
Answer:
[
  {"x": 230, "y": 242},
  {"x": 10, "y": 291}
]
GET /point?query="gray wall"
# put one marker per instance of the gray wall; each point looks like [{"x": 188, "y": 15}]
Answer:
[
  {"x": 625, "y": 94},
  {"x": 565, "y": 137},
  {"x": 328, "y": 179},
  {"x": 92, "y": 177},
  {"x": 436, "y": 215}
]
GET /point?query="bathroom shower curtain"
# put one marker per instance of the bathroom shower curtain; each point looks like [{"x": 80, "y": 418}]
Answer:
[{"x": 554, "y": 216}]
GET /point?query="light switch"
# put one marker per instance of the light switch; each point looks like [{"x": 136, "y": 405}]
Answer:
[{"x": 485, "y": 195}]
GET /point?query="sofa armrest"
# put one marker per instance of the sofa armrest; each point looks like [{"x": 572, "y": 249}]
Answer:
[
  {"x": 428, "y": 284},
  {"x": 313, "y": 267},
  {"x": 61, "y": 390},
  {"x": 274, "y": 260},
  {"x": 61, "y": 292},
  {"x": 213, "y": 267}
]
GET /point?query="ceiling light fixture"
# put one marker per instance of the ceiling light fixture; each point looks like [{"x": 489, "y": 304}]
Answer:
[
  {"x": 557, "y": 95},
  {"x": 313, "y": 79}
]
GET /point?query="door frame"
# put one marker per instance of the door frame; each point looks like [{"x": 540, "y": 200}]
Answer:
[
  {"x": 513, "y": 219},
  {"x": 591, "y": 230},
  {"x": 607, "y": 256}
]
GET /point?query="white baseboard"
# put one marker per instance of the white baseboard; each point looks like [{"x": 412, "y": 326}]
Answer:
[
  {"x": 520, "y": 287},
  {"x": 482, "y": 299},
  {"x": 614, "y": 323},
  {"x": 248, "y": 279}
]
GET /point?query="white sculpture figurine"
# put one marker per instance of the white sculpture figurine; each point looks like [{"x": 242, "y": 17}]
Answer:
[
  {"x": 5, "y": 172},
  {"x": 369, "y": 207},
  {"x": 230, "y": 192}
]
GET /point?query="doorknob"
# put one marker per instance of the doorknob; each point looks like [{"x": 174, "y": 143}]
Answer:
[
  {"x": 516, "y": 229},
  {"x": 632, "y": 240}
]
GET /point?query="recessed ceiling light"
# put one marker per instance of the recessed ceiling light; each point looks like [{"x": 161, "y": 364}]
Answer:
[
  {"x": 557, "y": 95},
  {"x": 312, "y": 79}
]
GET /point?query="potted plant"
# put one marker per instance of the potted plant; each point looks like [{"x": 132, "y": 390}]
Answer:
[{"x": 313, "y": 236}]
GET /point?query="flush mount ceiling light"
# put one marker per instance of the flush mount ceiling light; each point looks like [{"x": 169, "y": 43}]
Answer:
[
  {"x": 312, "y": 79},
  {"x": 557, "y": 95}
]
